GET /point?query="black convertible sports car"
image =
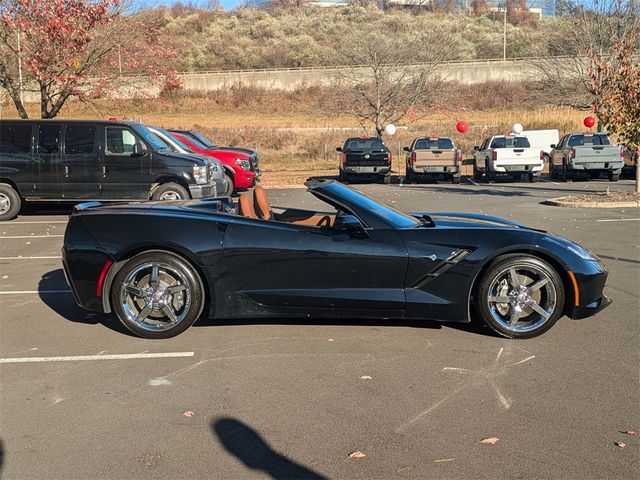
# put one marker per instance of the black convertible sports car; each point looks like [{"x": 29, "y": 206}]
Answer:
[{"x": 160, "y": 266}]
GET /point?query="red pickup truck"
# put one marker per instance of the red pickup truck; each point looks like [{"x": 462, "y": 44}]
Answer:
[{"x": 238, "y": 169}]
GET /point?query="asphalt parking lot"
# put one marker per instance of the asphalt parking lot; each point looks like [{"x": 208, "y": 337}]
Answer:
[{"x": 292, "y": 399}]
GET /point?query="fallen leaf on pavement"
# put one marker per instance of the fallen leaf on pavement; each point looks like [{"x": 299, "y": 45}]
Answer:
[
  {"x": 366, "y": 377},
  {"x": 620, "y": 444},
  {"x": 631, "y": 432},
  {"x": 331, "y": 340},
  {"x": 444, "y": 460},
  {"x": 490, "y": 440},
  {"x": 188, "y": 413},
  {"x": 357, "y": 454}
]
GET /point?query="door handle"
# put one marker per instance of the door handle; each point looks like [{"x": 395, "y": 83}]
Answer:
[
  {"x": 104, "y": 171},
  {"x": 66, "y": 171}
]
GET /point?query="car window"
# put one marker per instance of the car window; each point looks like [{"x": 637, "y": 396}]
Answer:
[
  {"x": 364, "y": 144},
  {"x": 498, "y": 142},
  {"x": 49, "y": 139},
  {"x": 510, "y": 142},
  {"x": 15, "y": 138},
  {"x": 79, "y": 139},
  {"x": 576, "y": 140},
  {"x": 597, "y": 139},
  {"x": 484, "y": 144},
  {"x": 520, "y": 142},
  {"x": 120, "y": 141},
  {"x": 438, "y": 144},
  {"x": 205, "y": 141}
]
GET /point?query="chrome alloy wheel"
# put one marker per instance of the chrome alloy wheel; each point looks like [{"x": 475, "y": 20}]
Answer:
[
  {"x": 5, "y": 203},
  {"x": 522, "y": 298},
  {"x": 155, "y": 296}
]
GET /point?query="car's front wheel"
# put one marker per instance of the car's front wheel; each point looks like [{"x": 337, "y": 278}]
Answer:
[
  {"x": 157, "y": 294},
  {"x": 9, "y": 202},
  {"x": 170, "y": 191},
  {"x": 520, "y": 296}
]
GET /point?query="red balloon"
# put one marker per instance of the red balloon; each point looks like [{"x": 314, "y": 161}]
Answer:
[
  {"x": 462, "y": 126},
  {"x": 589, "y": 122}
]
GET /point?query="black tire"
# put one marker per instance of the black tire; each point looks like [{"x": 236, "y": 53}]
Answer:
[
  {"x": 228, "y": 185},
  {"x": 455, "y": 179},
  {"x": 553, "y": 173},
  {"x": 564, "y": 173},
  {"x": 408, "y": 177},
  {"x": 594, "y": 175},
  {"x": 172, "y": 271},
  {"x": 170, "y": 191},
  {"x": 518, "y": 316},
  {"x": 477, "y": 174},
  {"x": 613, "y": 176},
  {"x": 386, "y": 179},
  {"x": 10, "y": 202},
  {"x": 533, "y": 178},
  {"x": 344, "y": 176}
]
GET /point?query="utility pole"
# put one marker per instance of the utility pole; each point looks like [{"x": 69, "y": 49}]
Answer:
[
  {"x": 504, "y": 34},
  {"x": 20, "y": 69}
]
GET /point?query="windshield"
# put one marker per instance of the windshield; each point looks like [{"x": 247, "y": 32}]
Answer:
[
  {"x": 510, "y": 142},
  {"x": 364, "y": 144},
  {"x": 174, "y": 139},
  {"x": 203, "y": 140},
  {"x": 151, "y": 138},
  {"x": 596, "y": 139},
  {"x": 436, "y": 143},
  {"x": 391, "y": 215}
]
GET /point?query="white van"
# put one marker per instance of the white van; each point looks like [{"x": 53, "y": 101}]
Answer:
[{"x": 543, "y": 139}]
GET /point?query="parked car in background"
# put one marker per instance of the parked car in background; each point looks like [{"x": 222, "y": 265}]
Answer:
[
  {"x": 175, "y": 145},
  {"x": 197, "y": 136},
  {"x": 433, "y": 157},
  {"x": 365, "y": 157},
  {"x": 78, "y": 160},
  {"x": 237, "y": 173},
  {"x": 588, "y": 153},
  {"x": 543, "y": 139},
  {"x": 507, "y": 155}
]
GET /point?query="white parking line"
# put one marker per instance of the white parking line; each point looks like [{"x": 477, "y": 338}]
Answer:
[
  {"x": 30, "y": 258},
  {"x": 620, "y": 220},
  {"x": 30, "y": 292},
  {"x": 38, "y": 223},
  {"x": 30, "y": 236},
  {"x": 549, "y": 181},
  {"x": 84, "y": 358},
  {"x": 467, "y": 178}
]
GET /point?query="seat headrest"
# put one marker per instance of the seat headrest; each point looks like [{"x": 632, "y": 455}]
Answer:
[
  {"x": 245, "y": 206},
  {"x": 261, "y": 203}
]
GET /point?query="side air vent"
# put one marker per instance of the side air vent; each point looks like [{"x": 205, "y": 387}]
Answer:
[{"x": 454, "y": 258}]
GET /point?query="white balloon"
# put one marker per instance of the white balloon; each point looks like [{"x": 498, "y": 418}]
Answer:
[
  {"x": 517, "y": 128},
  {"x": 390, "y": 129}
]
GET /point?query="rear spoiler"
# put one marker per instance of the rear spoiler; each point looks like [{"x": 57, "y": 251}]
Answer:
[{"x": 86, "y": 205}]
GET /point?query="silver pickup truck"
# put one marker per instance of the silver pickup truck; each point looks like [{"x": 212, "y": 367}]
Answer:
[{"x": 590, "y": 153}]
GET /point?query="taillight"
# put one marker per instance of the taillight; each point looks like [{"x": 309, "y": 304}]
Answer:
[
  {"x": 494, "y": 156},
  {"x": 621, "y": 151},
  {"x": 413, "y": 157},
  {"x": 542, "y": 155},
  {"x": 103, "y": 275},
  {"x": 573, "y": 153}
]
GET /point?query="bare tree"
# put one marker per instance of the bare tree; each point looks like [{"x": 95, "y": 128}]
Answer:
[
  {"x": 388, "y": 77},
  {"x": 582, "y": 37}
]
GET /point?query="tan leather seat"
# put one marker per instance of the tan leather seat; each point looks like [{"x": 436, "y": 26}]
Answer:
[
  {"x": 261, "y": 203},
  {"x": 245, "y": 206}
]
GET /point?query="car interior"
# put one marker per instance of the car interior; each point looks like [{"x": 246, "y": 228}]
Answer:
[{"x": 257, "y": 206}]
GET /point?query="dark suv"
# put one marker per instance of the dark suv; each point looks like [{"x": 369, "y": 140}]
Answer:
[
  {"x": 366, "y": 157},
  {"x": 77, "y": 160}
]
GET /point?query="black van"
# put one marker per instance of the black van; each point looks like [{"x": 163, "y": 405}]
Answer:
[{"x": 76, "y": 160}]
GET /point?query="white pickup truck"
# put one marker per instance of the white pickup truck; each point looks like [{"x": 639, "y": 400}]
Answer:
[{"x": 507, "y": 155}]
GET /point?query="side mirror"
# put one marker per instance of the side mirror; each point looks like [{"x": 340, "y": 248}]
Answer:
[
  {"x": 476, "y": 148},
  {"x": 553, "y": 145},
  {"x": 351, "y": 225},
  {"x": 406, "y": 149},
  {"x": 139, "y": 150},
  {"x": 338, "y": 149}
]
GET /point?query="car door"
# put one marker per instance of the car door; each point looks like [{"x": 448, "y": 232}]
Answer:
[
  {"x": 125, "y": 174},
  {"x": 16, "y": 161},
  {"x": 282, "y": 265},
  {"x": 49, "y": 172},
  {"x": 80, "y": 163}
]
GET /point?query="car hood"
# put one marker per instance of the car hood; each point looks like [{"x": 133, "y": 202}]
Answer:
[
  {"x": 471, "y": 220},
  {"x": 186, "y": 157}
]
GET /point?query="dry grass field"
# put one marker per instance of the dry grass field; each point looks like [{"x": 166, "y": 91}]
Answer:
[{"x": 296, "y": 140}]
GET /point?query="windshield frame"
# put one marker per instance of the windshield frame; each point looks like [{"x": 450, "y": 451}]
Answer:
[{"x": 150, "y": 138}]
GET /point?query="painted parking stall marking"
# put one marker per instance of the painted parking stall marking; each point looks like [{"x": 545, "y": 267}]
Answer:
[{"x": 86, "y": 358}]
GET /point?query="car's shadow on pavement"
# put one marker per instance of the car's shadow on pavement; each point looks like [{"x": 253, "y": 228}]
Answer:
[
  {"x": 53, "y": 287},
  {"x": 52, "y": 290},
  {"x": 255, "y": 453}
]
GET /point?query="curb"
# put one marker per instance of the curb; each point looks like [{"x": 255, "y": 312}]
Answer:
[{"x": 563, "y": 202}]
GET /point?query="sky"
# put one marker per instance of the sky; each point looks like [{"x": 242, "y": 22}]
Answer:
[{"x": 227, "y": 4}]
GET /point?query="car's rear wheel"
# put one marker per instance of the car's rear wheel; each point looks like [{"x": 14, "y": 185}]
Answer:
[
  {"x": 386, "y": 179},
  {"x": 613, "y": 176},
  {"x": 520, "y": 296},
  {"x": 10, "y": 202},
  {"x": 170, "y": 191},
  {"x": 477, "y": 174},
  {"x": 157, "y": 294}
]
